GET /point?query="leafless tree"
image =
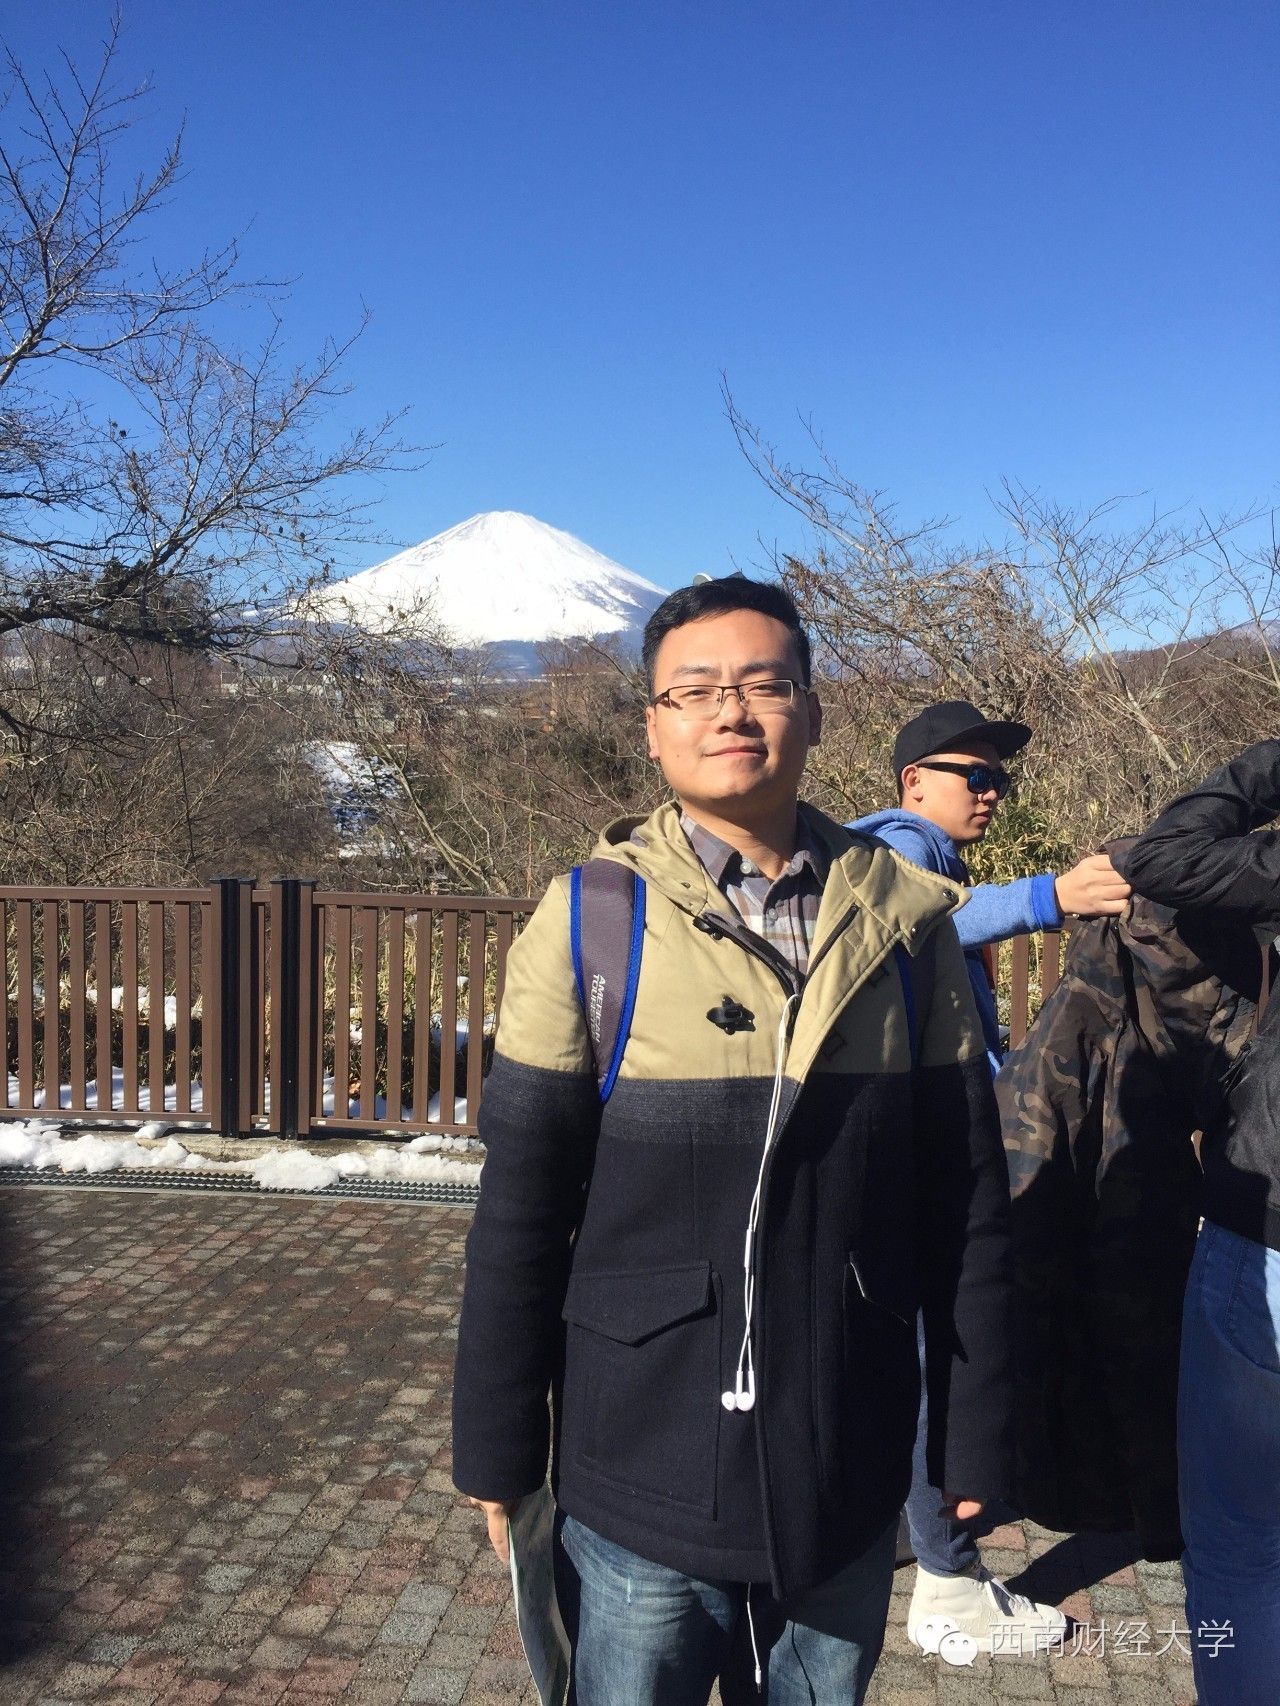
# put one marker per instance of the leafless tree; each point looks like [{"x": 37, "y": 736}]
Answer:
[
  {"x": 174, "y": 770},
  {"x": 1141, "y": 653},
  {"x": 154, "y": 481}
]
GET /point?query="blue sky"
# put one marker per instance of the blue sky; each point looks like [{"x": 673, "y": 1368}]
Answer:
[{"x": 969, "y": 241}]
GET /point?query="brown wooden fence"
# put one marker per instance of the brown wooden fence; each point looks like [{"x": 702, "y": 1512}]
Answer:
[
  {"x": 281, "y": 1008},
  {"x": 1028, "y": 971},
  {"x": 105, "y": 1001}
]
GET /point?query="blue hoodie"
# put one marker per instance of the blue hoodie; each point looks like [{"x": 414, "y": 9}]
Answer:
[{"x": 992, "y": 912}]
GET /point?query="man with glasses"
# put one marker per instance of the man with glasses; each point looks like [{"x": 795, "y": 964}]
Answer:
[
  {"x": 714, "y": 1268},
  {"x": 949, "y": 766}
]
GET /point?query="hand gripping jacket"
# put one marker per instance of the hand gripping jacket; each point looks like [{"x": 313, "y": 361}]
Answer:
[{"x": 605, "y": 1266}]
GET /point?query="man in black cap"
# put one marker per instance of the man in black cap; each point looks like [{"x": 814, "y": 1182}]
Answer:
[
  {"x": 948, "y": 763},
  {"x": 949, "y": 766}
]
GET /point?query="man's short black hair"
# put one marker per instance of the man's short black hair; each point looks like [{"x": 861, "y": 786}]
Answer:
[{"x": 714, "y": 598}]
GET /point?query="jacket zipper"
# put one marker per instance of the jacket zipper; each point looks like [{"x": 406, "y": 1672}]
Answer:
[{"x": 716, "y": 924}]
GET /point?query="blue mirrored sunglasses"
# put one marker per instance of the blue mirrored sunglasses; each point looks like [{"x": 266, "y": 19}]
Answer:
[{"x": 981, "y": 778}]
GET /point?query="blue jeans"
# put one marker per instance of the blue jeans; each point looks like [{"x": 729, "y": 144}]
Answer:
[
  {"x": 945, "y": 1547},
  {"x": 1229, "y": 1466},
  {"x": 646, "y": 1635}
]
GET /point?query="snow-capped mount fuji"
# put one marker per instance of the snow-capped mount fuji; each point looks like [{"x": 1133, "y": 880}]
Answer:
[{"x": 501, "y": 580}]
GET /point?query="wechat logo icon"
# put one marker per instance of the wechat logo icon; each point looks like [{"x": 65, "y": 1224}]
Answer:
[{"x": 941, "y": 1635}]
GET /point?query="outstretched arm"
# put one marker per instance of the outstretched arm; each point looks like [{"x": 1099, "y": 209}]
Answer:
[
  {"x": 1093, "y": 888},
  {"x": 995, "y": 911}
]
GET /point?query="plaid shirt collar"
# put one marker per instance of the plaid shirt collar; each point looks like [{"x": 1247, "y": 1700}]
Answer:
[{"x": 726, "y": 866}]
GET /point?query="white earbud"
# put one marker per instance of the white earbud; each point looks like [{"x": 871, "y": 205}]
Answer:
[{"x": 743, "y": 1395}]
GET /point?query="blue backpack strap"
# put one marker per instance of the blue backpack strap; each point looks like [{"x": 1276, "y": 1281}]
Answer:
[
  {"x": 606, "y": 939},
  {"x": 917, "y": 987},
  {"x": 575, "y": 931},
  {"x": 902, "y": 959}
]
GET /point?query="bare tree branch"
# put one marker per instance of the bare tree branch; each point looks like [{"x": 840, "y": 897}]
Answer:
[{"x": 154, "y": 482}]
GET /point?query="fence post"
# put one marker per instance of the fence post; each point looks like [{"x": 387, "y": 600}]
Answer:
[
  {"x": 310, "y": 1003},
  {"x": 291, "y": 1017},
  {"x": 234, "y": 964}
]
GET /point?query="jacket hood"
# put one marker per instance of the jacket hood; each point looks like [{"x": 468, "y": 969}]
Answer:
[
  {"x": 938, "y": 839},
  {"x": 906, "y": 899}
]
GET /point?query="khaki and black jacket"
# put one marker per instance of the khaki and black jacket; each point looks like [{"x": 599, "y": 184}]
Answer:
[{"x": 605, "y": 1264}]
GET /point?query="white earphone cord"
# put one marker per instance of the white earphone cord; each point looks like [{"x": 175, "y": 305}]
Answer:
[
  {"x": 742, "y": 1396},
  {"x": 751, "y": 1629}
]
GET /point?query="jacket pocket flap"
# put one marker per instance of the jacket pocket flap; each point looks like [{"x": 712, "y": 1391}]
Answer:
[{"x": 631, "y": 1307}]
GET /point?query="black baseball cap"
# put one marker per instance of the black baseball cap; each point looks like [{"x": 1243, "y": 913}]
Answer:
[{"x": 954, "y": 723}]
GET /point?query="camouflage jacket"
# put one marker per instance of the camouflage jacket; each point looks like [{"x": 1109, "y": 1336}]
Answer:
[{"x": 1099, "y": 1106}]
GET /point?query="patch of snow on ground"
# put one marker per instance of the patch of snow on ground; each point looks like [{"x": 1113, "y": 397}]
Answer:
[
  {"x": 22, "y": 1145},
  {"x": 142, "y": 1003},
  {"x": 153, "y": 1129},
  {"x": 435, "y": 1107},
  {"x": 432, "y": 1143},
  {"x": 40, "y": 1146},
  {"x": 65, "y": 1099},
  {"x": 296, "y": 1170}
]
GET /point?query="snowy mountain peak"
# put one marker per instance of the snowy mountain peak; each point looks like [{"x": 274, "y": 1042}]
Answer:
[{"x": 502, "y": 579}]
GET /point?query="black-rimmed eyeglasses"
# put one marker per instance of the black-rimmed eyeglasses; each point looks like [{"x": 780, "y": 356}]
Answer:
[
  {"x": 981, "y": 778},
  {"x": 702, "y": 702}
]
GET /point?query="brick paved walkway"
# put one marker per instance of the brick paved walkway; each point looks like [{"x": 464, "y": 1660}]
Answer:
[{"x": 227, "y": 1476}]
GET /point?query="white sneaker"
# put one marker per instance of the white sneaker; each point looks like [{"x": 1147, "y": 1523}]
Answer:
[{"x": 981, "y": 1607}]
